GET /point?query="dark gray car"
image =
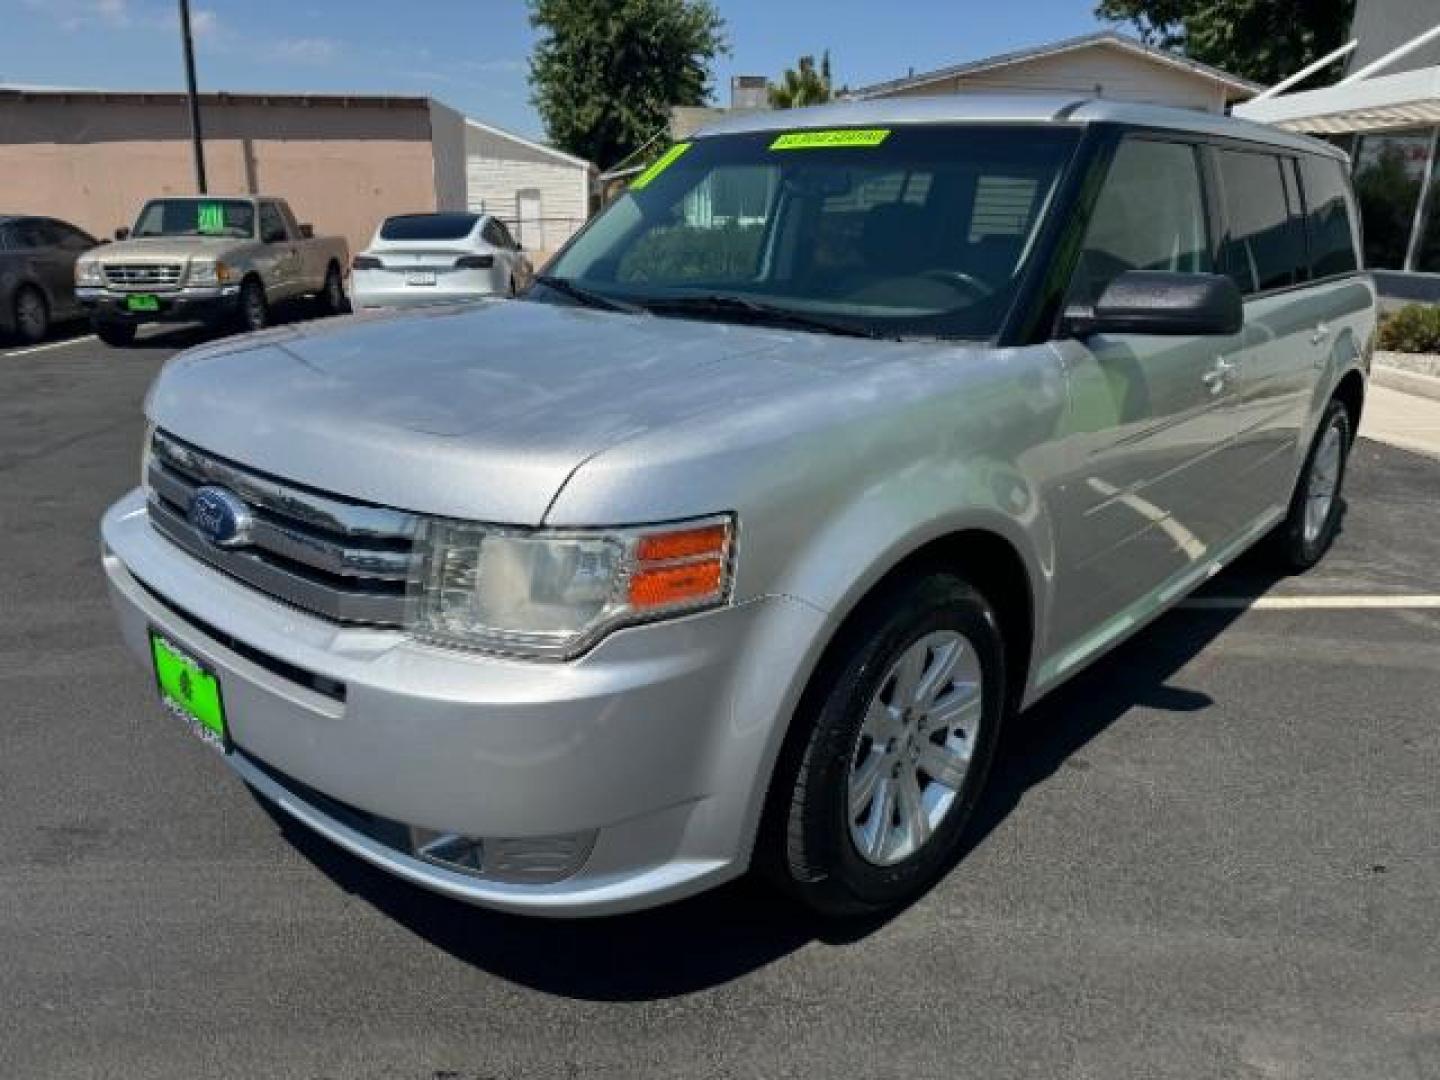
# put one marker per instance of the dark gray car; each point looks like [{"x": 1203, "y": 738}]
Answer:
[{"x": 37, "y": 273}]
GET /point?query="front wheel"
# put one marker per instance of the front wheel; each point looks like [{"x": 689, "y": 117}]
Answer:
[
  {"x": 32, "y": 315},
  {"x": 254, "y": 307},
  {"x": 116, "y": 334},
  {"x": 872, "y": 795},
  {"x": 1314, "y": 518}
]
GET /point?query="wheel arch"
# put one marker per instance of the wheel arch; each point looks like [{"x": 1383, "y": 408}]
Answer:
[{"x": 1350, "y": 392}]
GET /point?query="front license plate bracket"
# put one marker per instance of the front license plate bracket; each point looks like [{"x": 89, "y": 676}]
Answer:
[{"x": 190, "y": 690}]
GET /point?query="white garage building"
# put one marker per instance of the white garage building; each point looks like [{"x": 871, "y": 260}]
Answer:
[{"x": 541, "y": 193}]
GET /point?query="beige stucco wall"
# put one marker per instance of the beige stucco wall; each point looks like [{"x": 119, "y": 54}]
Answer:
[
  {"x": 341, "y": 167},
  {"x": 1099, "y": 70}
]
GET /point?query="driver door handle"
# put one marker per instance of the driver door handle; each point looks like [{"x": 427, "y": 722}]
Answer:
[{"x": 1218, "y": 376}]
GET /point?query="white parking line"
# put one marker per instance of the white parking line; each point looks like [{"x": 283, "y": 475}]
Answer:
[
  {"x": 48, "y": 346},
  {"x": 1313, "y": 603}
]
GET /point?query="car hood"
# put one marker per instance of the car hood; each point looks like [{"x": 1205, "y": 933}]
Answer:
[
  {"x": 167, "y": 247},
  {"x": 479, "y": 412}
]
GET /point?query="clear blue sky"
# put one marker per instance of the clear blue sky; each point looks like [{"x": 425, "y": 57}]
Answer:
[{"x": 472, "y": 54}]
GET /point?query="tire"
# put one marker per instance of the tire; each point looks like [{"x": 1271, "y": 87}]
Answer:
[
  {"x": 857, "y": 731},
  {"x": 117, "y": 334},
  {"x": 31, "y": 315},
  {"x": 332, "y": 293},
  {"x": 254, "y": 311},
  {"x": 1316, "y": 505}
]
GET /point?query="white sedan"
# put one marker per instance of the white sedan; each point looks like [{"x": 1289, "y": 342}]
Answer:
[{"x": 437, "y": 258}]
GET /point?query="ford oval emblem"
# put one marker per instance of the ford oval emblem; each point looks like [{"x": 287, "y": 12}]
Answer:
[{"x": 220, "y": 516}]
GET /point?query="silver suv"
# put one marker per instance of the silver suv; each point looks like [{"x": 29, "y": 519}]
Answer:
[{"x": 840, "y": 438}]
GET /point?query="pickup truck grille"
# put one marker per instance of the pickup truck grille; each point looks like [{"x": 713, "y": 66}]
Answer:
[
  {"x": 343, "y": 560},
  {"x": 136, "y": 275}
]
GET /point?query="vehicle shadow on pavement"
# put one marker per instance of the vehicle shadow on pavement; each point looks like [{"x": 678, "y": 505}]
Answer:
[{"x": 741, "y": 927}]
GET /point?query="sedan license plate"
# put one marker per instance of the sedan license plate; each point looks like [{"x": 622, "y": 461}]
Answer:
[
  {"x": 420, "y": 277},
  {"x": 189, "y": 689},
  {"x": 142, "y": 302}
]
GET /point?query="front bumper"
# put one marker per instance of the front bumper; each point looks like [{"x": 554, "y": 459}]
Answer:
[
  {"x": 659, "y": 741},
  {"x": 193, "y": 304}
]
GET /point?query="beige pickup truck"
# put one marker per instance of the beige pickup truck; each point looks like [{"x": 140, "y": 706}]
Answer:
[{"x": 214, "y": 259}]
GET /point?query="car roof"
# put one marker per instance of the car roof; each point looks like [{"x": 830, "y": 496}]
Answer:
[{"x": 1015, "y": 108}]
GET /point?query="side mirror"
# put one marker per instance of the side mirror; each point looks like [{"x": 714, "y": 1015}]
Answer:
[
  {"x": 307, "y": 231},
  {"x": 1163, "y": 303},
  {"x": 122, "y": 233}
]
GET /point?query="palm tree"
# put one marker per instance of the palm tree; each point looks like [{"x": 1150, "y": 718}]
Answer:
[{"x": 803, "y": 86}]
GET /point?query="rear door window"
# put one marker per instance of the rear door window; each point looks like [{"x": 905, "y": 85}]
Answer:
[
  {"x": 1264, "y": 244},
  {"x": 272, "y": 225},
  {"x": 1330, "y": 217},
  {"x": 1150, "y": 215}
]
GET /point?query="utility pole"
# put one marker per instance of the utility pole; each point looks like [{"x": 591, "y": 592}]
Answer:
[{"x": 196, "y": 139}]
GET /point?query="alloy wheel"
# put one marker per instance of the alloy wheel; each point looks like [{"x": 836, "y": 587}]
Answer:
[
  {"x": 914, "y": 749},
  {"x": 30, "y": 315},
  {"x": 1324, "y": 482}
]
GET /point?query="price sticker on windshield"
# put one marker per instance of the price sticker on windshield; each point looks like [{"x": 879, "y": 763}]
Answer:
[
  {"x": 210, "y": 218},
  {"x": 824, "y": 140}
]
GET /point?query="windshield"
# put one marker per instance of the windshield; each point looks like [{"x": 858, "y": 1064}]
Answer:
[
  {"x": 918, "y": 231},
  {"x": 197, "y": 217}
]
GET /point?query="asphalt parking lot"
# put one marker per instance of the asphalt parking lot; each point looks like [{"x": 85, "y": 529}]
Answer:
[{"x": 1216, "y": 854}]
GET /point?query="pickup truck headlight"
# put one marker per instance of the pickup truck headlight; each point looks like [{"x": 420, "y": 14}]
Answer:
[
  {"x": 87, "y": 272},
  {"x": 552, "y": 593},
  {"x": 208, "y": 273}
]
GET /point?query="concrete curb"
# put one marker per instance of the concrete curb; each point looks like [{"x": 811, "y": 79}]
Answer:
[
  {"x": 1409, "y": 382},
  {"x": 1423, "y": 363}
]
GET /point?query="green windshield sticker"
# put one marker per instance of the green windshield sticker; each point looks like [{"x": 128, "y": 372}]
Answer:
[
  {"x": 669, "y": 158},
  {"x": 821, "y": 140},
  {"x": 210, "y": 218}
]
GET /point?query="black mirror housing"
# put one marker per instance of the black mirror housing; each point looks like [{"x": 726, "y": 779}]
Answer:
[
  {"x": 122, "y": 233},
  {"x": 1161, "y": 302},
  {"x": 307, "y": 231}
]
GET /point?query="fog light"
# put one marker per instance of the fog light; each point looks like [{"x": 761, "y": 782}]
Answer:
[{"x": 536, "y": 860}]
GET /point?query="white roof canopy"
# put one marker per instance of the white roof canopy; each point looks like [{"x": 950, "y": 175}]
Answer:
[{"x": 1406, "y": 99}]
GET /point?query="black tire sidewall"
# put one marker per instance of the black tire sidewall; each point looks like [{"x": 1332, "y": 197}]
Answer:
[
  {"x": 114, "y": 334},
  {"x": 820, "y": 856},
  {"x": 247, "y": 293},
  {"x": 1300, "y": 554},
  {"x": 333, "y": 292}
]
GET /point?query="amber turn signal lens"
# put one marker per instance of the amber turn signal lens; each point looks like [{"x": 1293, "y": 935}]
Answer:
[
  {"x": 683, "y": 544},
  {"x": 666, "y": 585}
]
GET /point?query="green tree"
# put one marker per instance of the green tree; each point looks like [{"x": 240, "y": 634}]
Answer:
[
  {"x": 1263, "y": 40},
  {"x": 605, "y": 73},
  {"x": 803, "y": 85}
]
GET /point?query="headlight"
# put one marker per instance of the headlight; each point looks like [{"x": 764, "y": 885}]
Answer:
[
  {"x": 555, "y": 593},
  {"x": 209, "y": 273},
  {"x": 147, "y": 453},
  {"x": 87, "y": 272}
]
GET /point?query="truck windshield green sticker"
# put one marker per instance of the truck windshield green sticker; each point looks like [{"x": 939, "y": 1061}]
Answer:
[
  {"x": 669, "y": 158},
  {"x": 210, "y": 218},
  {"x": 822, "y": 140}
]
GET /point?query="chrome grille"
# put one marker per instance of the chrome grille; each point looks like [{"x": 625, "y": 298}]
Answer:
[
  {"x": 151, "y": 275},
  {"x": 344, "y": 560}
]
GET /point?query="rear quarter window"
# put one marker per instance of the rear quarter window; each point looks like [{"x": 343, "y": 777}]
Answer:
[{"x": 1330, "y": 217}]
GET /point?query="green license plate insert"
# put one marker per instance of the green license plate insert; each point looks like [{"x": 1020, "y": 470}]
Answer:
[
  {"x": 142, "y": 302},
  {"x": 189, "y": 689}
]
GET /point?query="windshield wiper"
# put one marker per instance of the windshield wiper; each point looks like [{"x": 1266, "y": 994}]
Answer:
[
  {"x": 753, "y": 311},
  {"x": 586, "y": 296}
]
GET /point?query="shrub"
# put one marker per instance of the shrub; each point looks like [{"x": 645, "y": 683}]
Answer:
[{"x": 1415, "y": 328}]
